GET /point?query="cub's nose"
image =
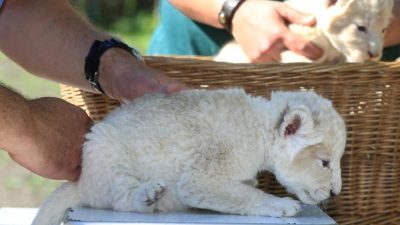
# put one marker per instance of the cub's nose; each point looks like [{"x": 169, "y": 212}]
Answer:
[{"x": 333, "y": 194}]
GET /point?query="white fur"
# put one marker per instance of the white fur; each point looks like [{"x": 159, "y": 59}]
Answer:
[
  {"x": 336, "y": 31},
  {"x": 203, "y": 149}
]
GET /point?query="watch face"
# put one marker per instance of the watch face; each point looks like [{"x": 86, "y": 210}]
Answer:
[{"x": 222, "y": 18}]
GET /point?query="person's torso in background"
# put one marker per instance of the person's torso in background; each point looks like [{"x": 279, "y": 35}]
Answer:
[{"x": 177, "y": 34}]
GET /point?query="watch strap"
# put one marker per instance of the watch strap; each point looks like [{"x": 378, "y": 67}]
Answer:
[
  {"x": 227, "y": 12},
  {"x": 92, "y": 60}
]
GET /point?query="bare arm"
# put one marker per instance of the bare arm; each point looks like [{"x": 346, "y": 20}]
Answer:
[
  {"x": 43, "y": 135},
  {"x": 393, "y": 33},
  {"x": 49, "y": 39},
  {"x": 259, "y": 26},
  {"x": 205, "y": 11}
]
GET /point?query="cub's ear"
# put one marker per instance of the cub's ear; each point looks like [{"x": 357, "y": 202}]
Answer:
[
  {"x": 340, "y": 2},
  {"x": 297, "y": 130},
  {"x": 296, "y": 121},
  {"x": 338, "y": 14},
  {"x": 329, "y": 3}
]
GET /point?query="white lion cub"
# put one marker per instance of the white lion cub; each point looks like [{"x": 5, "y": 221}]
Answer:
[
  {"x": 197, "y": 149},
  {"x": 346, "y": 31}
]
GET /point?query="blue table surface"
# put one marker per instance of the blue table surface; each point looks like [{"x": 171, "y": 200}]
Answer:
[{"x": 310, "y": 215}]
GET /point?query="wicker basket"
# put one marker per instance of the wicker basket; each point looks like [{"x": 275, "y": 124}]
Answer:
[{"x": 366, "y": 95}]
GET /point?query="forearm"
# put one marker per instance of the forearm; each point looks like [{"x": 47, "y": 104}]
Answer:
[
  {"x": 393, "y": 33},
  {"x": 53, "y": 44},
  {"x": 44, "y": 135},
  {"x": 16, "y": 121},
  {"x": 204, "y": 11}
]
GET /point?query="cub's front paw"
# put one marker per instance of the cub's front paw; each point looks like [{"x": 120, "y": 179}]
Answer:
[{"x": 279, "y": 207}]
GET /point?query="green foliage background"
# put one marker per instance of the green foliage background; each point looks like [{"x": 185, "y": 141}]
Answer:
[{"x": 131, "y": 20}]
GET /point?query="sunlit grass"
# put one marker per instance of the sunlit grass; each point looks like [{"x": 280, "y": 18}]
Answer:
[
  {"x": 19, "y": 187},
  {"x": 2, "y": 56}
]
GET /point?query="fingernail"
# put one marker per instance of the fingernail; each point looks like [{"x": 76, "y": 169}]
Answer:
[
  {"x": 175, "y": 87},
  {"x": 309, "y": 19},
  {"x": 317, "y": 52},
  {"x": 162, "y": 89}
]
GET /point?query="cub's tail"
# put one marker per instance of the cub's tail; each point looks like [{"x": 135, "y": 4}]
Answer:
[{"x": 53, "y": 210}]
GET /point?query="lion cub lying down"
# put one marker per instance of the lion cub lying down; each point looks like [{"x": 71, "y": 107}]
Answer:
[{"x": 198, "y": 149}]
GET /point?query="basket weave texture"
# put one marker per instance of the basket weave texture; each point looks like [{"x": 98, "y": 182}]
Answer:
[{"x": 367, "y": 95}]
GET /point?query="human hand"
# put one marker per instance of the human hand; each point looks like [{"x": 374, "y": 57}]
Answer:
[
  {"x": 260, "y": 28},
  {"x": 54, "y": 147},
  {"x": 124, "y": 78}
]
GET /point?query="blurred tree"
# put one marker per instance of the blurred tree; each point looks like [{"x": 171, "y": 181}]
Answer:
[
  {"x": 132, "y": 20},
  {"x": 105, "y": 13}
]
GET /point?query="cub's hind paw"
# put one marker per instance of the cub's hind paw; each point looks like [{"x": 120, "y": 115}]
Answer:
[
  {"x": 147, "y": 195},
  {"x": 153, "y": 193}
]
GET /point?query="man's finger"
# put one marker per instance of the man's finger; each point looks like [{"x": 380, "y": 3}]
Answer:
[
  {"x": 175, "y": 87},
  {"x": 293, "y": 16},
  {"x": 272, "y": 54},
  {"x": 300, "y": 46}
]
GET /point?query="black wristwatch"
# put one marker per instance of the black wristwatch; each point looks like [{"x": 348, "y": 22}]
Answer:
[
  {"x": 227, "y": 12},
  {"x": 92, "y": 60}
]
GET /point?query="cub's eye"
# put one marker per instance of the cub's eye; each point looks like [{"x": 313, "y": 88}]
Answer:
[
  {"x": 325, "y": 163},
  {"x": 384, "y": 30},
  {"x": 362, "y": 28}
]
